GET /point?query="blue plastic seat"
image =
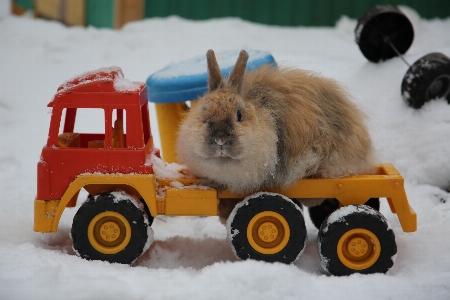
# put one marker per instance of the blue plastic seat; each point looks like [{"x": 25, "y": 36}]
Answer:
[{"x": 187, "y": 80}]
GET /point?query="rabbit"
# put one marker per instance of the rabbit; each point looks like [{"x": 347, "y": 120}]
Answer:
[{"x": 270, "y": 127}]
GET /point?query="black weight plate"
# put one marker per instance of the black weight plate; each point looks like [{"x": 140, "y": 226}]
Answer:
[
  {"x": 427, "y": 79},
  {"x": 378, "y": 28}
]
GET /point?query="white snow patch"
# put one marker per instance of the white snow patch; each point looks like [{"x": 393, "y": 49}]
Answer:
[
  {"x": 394, "y": 258},
  {"x": 163, "y": 169},
  {"x": 406, "y": 95},
  {"x": 181, "y": 186},
  {"x": 197, "y": 64},
  {"x": 122, "y": 196},
  {"x": 177, "y": 184},
  {"x": 358, "y": 31},
  {"x": 107, "y": 73},
  {"x": 340, "y": 215},
  {"x": 324, "y": 261},
  {"x": 125, "y": 85},
  {"x": 234, "y": 233},
  {"x": 149, "y": 242},
  {"x": 161, "y": 192}
]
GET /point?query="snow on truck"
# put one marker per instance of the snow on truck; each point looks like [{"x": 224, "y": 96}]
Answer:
[{"x": 119, "y": 168}]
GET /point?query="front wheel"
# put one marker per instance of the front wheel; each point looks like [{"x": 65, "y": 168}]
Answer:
[
  {"x": 267, "y": 227},
  {"x": 111, "y": 227},
  {"x": 356, "y": 239}
]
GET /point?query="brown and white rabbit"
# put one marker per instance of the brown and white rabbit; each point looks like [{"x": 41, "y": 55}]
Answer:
[{"x": 270, "y": 127}]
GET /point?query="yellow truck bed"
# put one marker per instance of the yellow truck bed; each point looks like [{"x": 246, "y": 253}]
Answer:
[{"x": 386, "y": 183}]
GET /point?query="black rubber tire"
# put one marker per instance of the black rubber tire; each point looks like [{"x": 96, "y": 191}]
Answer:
[
  {"x": 427, "y": 79},
  {"x": 361, "y": 217},
  {"x": 250, "y": 207},
  {"x": 106, "y": 202},
  {"x": 374, "y": 203},
  {"x": 319, "y": 213},
  {"x": 380, "y": 26},
  {"x": 146, "y": 209},
  {"x": 147, "y": 212},
  {"x": 298, "y": 203}
]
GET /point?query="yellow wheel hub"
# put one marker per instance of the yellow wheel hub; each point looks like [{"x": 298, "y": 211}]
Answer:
[
  {"x": 268, "y": 232},
  {"x": 109, "y": 232},
  {"x": 358, "y": 249}
]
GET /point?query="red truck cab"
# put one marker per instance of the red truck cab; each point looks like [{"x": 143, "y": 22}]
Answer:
[{"x": 122, "y": 146}]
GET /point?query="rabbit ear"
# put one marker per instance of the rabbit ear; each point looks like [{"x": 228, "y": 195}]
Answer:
[
  {"x": 214, "y": 74},
  {"x": 237, "y": 74}
]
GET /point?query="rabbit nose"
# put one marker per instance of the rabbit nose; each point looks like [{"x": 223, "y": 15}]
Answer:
[
  {"x": 219, "y": 142},
  {"x": 223, "y": 140},
  {"x": 220, "y": 137}
]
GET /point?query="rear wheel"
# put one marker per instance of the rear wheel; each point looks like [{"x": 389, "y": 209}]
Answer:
[
  {"x": 111, "y": 227},
  {"x": 427, "y": 79},
  {"x": 356, "y": 239},
  {"x": 319, "y": 213},
  {"x": 268, "y": 227}
]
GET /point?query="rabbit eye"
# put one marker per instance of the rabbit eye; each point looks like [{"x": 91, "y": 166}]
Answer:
[{"x": 239, "y": 116}]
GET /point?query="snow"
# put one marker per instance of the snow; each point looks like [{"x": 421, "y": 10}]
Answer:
[
  {"x": 339, "y": 215},
  {"x": 163, "y": 169},
  {"x": 94, "y": 75},
  {"x": 107, "y": 73},
  {"x": 190, "y": 257},
  {"x": 124, "y": 85},
  {"x": 197, "y": 64}
]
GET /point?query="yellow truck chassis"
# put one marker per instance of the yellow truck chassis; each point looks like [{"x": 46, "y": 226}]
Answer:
[{"x": 191, "y": 200}]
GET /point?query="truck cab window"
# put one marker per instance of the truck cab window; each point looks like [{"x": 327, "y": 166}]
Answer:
[{"x": 82, "y": 128}]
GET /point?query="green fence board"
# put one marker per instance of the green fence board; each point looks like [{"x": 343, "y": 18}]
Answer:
[
  {"x": 286, "y": 12},
  {"x": 100, "y": 13},
  {"x": 25, "y": 4}
]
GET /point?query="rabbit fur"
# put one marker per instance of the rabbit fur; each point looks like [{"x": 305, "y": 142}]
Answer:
[{"x": 270, "y": 127}]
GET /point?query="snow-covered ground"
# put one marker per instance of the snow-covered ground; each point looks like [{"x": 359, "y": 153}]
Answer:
[{"x": 191, "y": 258}]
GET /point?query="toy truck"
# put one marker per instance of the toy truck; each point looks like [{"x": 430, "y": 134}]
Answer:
[{"x": 117, "y": 168}]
